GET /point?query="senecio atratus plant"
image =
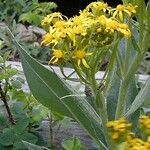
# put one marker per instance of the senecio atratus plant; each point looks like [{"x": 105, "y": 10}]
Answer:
[{"x": 122, "y": 36}]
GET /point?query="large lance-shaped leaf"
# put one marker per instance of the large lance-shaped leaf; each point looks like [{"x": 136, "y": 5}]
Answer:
[
  {"x": 112, "y": 97},
  {"x": 132, "y": 93},
  {"x": 58, "y": 96},
  {"x": 143, "y": 95}
]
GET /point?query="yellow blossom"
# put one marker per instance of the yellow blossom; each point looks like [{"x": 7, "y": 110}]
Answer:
[
  {"x": 79, "y": 30},
  {"x": 131, "y": 9},
  {"x": 46, "y": 21},
  {"x": 113, "y": 25},
  {"x": 137, "y": 144},
  {"x": 61, "y": 34},
  {"x": 74, "y": 31},
  {"x": 124, "y": 29},
  {"x": 119, "y": 128},
  {"x": 57, "y": 55},
  {"x": 81, "y": 20},
  {"x": 80, "y": 56},
  {"x": 120, "y": 9},
  {"x": 49, "y": 18},
  {"x": 60, "y": 24},
  {"x": 47, "y": 39},
  {"x": 102, "y": 20},
  {"x": 144, "y": 122},
  {"x": 97, "y": 6}
]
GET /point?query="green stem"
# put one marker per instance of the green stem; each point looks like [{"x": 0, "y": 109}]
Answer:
[
  {"x": 121, "y": 100},
  {"x": 51, "y": 129},
  {"x": 127, "y": 56},
  {"x": 110, "y": 69},
  {"x": 100, "y": 102},
  {"x": 79, "y": 73},
  {"x": 3, "y": 98},
  {"x": 125, "y": 84}
]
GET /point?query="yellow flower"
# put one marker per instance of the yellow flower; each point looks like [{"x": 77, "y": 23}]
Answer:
[
  {"x": 120, "y": 9},
  {"x": 112, "y": 25},
  {"x": 131, "y": 9},
  {"x": 82, "y": 20},
  {"x": 79, "y": 30},
  {"x": 137, "y": 144},
  {"x": 50, "y": 18},
  {"x": 57, "y": 55},
  {"x": 124, "y": 29},
  {"x": 102, "y": 20},
  {"x": 119, "y": 128},
  {"x": 46, "y": 21},
  {"x": 144, "y": 122},
  {"x": 97, "y": 6},
  {"x": 72, "y": 32},
  {"x": 60, "y": 24},
  {"x": 80, "y": 56},
  {"x": 47, "y": 39},
  {"x": 61, "y": 34},
  {"x": 119, "y": 12}
]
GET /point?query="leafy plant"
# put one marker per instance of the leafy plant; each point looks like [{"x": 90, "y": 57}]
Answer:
[
  {"x": 36, "y": 11},
  {"x": 73, "y": 144},
  {"x": 24, "y": 10},
  {"x": 34, "y": 49},
  {"x": 33, "y": 146},
  {"x": 20, "y": 115},
  {"x": 116, "y": 95}
]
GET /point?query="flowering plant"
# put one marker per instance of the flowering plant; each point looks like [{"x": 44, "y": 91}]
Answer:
[{"x": 83, "y": 42}]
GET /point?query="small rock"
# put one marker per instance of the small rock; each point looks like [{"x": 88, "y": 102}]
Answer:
[{"x": 37, "y": 30}]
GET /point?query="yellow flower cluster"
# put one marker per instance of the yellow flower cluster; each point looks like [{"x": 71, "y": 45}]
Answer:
[
  {"x": 119, "y": 128},
  {"x": 136, "y": 144},
  {"x": 120, "y": 131},
  {"x": 97, "y": 7},
  {"x": 124, "y": 9},
  {"x": 144, "y": 122},
  {"x": 74, "y": 39}
]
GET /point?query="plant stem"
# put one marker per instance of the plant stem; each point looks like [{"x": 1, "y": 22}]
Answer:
[
  {"x": 3, "y": 97},
  {"x": 101, "y": 105},
  {"x": 125, "y": 84},
  {"x": 100, "y": 101},
  {"x": 121, "y": 100},
  {"x": 51, "y": 129}
]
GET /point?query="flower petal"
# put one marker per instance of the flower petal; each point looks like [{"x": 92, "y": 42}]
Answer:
[
  {"x": 56, "y": 60},
  {"x": 79, "y": 62},
  {"x": 85, "y": 63}
]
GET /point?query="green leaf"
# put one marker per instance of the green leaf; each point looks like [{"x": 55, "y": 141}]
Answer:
[
  {"x": 1, "y": 59},
  {"x": 132, "y": 93},
  {"x": 73, "y": 144},
  {"x": 112, "y": 98},
  {"x": 3, "y": 120},
  {"x": 21, "y": 124},
  {"x": 31, "y": 146},
  {"x": 16, "y": 83},
  {"x": 5, "y": 148},
  {"x": 29, "y": 137},
  {"x": 30, "y": 17},
  {"x": 6, "y": 55},
  {"x": 18, "y": 95},
  {"x": 142, "y": 96},
  {"x": 8, "y": 73},
  {"x": 7, "y": 137},
  {"x": 58, "y": 96},
  {"x": 135, "y": 44}
]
